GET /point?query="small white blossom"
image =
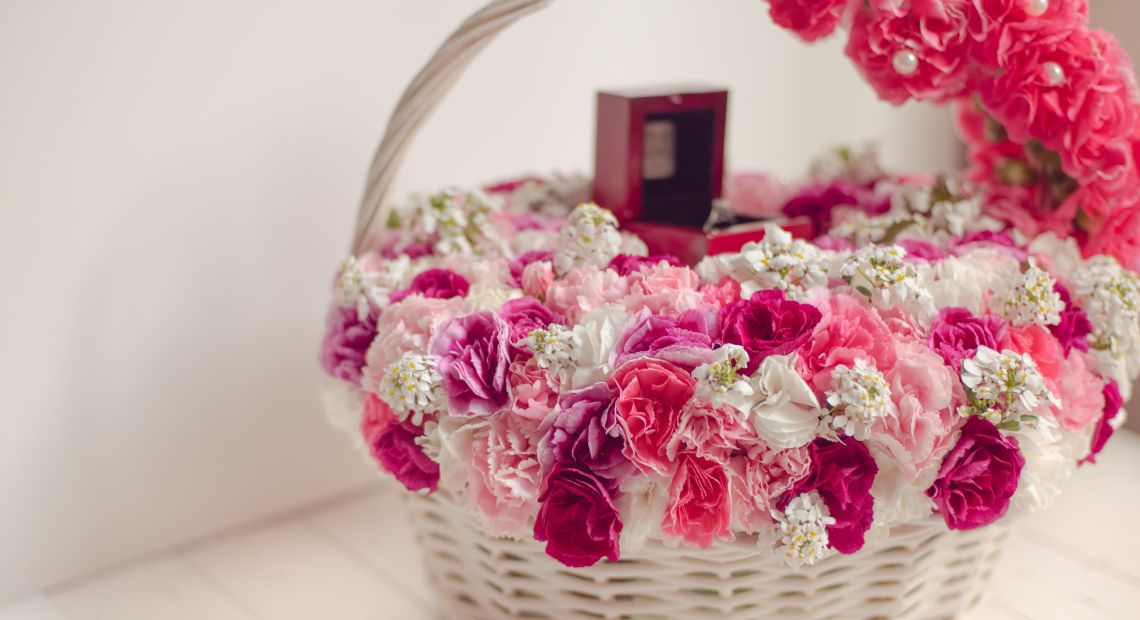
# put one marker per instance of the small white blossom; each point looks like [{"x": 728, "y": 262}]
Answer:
[
  {"x": 1029, "y": 299},
  {"x": 858, "y": 396},
  {"x": 457, "y": 219},
  {"x": 553, "y": 348},
  {"x": 803, "y": 524},
  {"x": 1006, "y": 388},
  {"x": 778, "y": 262},
  {"x": 859, "y": 166},
  {"x": 364, "y": 290},
  {"x": 1110, "y": 295},
  {"x": 863, "y": 229},
  {"x": 590, "y": 237},
  {"x": 880, "y": 273},
  {"x": 719, "y": 382},
  {"x": 412, "y": 387}
]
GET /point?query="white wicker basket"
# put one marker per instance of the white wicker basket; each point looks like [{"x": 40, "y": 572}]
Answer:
[{"x": 920, "y": 570}]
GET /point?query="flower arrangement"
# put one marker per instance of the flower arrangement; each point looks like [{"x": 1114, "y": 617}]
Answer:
[
  {"x": 925, "y": 360},
  {"x": 938, "y": 348}
]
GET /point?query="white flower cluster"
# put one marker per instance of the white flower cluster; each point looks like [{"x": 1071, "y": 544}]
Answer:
[
  {"x": 552, "y": 196},
  {"x": 458, "y": 220},
  {"x": 1006, "y": 388},
  {"x": 803, "y": 524},
  {"x": 1029, "y": 299},
  {"x": 553, "y": 348},
  {"x": 778, "y": 262},
  {"x": 590, "y": 237},
  {"x": 720, "y": 383},
  {"x": 858, "y": 166},
  {"x": 1110, "y": 295},
  {"x": 858, "y": 396},
  {"x": 356, "y": 287},
  {"x": 879, "y": 272},
  {"x": 412, "y": 387}
]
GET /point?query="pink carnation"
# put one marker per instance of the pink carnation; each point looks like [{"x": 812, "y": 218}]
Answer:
[
  {"x": 842, "y": 473},
  {"x": 503, "y": 473},
  {"x": 583, "y": 289},
  {"x": 436, "y": 284},
  {"x": 1081, "y": 392},
  {"x": 626, "y": 264},
  {"x": 517, "y": 265},
  {"x": 809, "y": 19},
  {"x": 651, "y": 395},
  {"x": 933, "y": 31},
  {"x": 978, "y": 477},
  {"x": 926, "y": 394},
  {"x": 1119, "y": 237},
  {"x": 850, "y": 330},
  {"x": 699, "y": 509},
  {"x": 663, "y": 289},
  {"x": 996, "y": 25},
  {"x": 346, "y": 342},
  {"x": 754, "y": 194},
  {"x": 956, "y": 335},
  {"x": 686, "y": 340},
  {"x": 1042, "y": 347}
]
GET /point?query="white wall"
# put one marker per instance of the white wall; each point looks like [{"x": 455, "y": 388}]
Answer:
[{"x": 177, "y": 180}]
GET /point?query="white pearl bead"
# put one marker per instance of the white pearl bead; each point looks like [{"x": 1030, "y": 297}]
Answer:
[
  {"x": 1036, "y": 8},
  {"x": 1054, "y": 73},
  {"x": 905, "y": 62}
]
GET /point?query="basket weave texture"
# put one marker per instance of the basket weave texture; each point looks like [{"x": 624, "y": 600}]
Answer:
[{"x": 920, "y": 570}]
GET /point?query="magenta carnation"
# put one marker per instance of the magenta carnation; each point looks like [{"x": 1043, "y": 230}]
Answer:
[
  {"x": 767, "y": 324},
  {"x": 346, "y": 342},
  {"x": 1073, "y": 330},
  {"x": 577, "y": 518},
  {"x": 524, "y": 315},
  {"x": 842, "y": 473},
  {"x": 1113, "y": 402},
  {"x": 435, "y": 284},
  {"x": 817, "y": 203},
  {"x": 583, "y": 431},
  {"x": 988, "y": 239},
  {"x": 626, "y": 264},
  {"x": 474, "y": 363},
  {"x": 956, "y": 335},
  {"x": 396, "y": 450},
  {"x": 809, "y": 19},
  {"x": 921, "y": 251},
  {"x": 978, "y": 477},
  {"x": 686, "y": 340}
]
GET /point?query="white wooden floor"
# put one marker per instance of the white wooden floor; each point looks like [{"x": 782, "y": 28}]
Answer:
[{"x": 354, "y": 560}]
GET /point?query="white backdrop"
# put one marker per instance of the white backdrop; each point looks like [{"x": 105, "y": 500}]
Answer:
[{"x": 178, "y": 179}]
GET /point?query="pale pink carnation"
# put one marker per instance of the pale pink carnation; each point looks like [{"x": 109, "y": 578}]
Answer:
[
  {"x": 537, "y": 278},
  {"x": 714, "y": 433},
  {"x": 406, "y": 326},
  {"x": 926, "y": 394},
  {"x": 663, "y": 289},
  {"x": 758, "y": 479},
  {"x": 1081, "y": 392},
  {"x": 534, "y": 392},
  {"x": 504, "y": 478},
  {"x": 584, "y": 289},
  {"x": 722, "y": 293}
]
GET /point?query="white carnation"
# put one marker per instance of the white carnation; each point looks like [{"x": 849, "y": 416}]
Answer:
[
  {"x": 719, "y": 382},
  {"x": 594, "y": 338},
  {"x": 786, "y": 413}
]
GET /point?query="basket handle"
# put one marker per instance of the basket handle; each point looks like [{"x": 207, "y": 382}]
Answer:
[{"x": 421, "y": 98}]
